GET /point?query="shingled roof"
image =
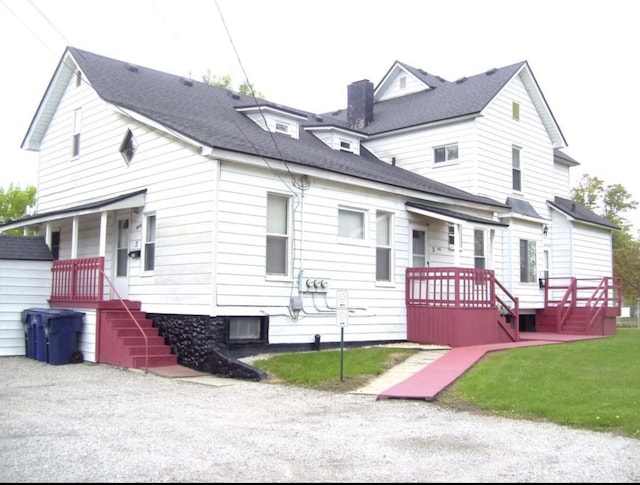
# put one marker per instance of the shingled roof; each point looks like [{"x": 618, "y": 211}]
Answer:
[
  {"x": 580, "y": 213},
  {"x": 208, "y": 115},
  {"x": 444, "y": 101},
  {"x": 28, "y": 248}
]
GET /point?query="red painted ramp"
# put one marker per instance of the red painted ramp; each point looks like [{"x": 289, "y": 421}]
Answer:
[{"x": 432, "y": 379}]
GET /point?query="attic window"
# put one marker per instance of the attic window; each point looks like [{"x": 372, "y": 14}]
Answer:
[
  {"x": 78, "y": 78},
  {"x": 515, "y": 110},
  {"x": 403, "y": 82},
  {"x": 282, "y": 127},
  {"x": 128, "y": 147}
]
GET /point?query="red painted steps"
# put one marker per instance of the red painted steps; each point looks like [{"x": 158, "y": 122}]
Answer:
[{"x": 122, "y": 342}]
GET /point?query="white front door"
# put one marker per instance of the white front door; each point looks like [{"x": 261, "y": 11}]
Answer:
[
  {"x": 419, "y": 253},
  {"x": 121, "y": 258}
]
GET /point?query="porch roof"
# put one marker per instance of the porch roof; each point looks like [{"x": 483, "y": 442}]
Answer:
[
  {"x": 449, "y": 215},
  {"x": 124, "y": 201}
]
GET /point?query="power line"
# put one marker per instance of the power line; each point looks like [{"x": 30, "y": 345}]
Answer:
[{"x": 50, "y": 23}]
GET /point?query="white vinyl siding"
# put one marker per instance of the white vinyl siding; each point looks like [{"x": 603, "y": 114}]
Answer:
[
  {"x": 23, "y": 284},
  {"x": 498, "y": 132}
]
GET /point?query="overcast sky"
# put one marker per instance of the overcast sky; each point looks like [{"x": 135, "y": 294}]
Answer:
[{"x": 304, "y": 53}]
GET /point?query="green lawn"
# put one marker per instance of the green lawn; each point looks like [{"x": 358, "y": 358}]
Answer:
[{"x": 592, "y": 384}]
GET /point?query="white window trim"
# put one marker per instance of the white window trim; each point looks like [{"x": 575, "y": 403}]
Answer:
[
  {"x": 445, "y": 161},
  {"x": 518, "y": 168},
  {"x": 390, "y": 247},
  {"x": 365, "y": 223},
  {"x": 289, "y": 234},
  {"x": 143, "y": 249},
  {"x": 532, "y": 272},
  {"x": 76, "y": 129}
]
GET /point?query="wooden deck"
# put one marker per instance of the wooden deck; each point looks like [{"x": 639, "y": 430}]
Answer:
[{"x": 434, "y": 378}]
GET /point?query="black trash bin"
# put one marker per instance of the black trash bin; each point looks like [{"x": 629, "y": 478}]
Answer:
[{"x": 61, "y": 330}]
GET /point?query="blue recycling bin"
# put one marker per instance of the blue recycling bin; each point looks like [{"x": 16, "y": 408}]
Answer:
[
  {"x": 34, "y": 332},
  {"x": 62, "y": 330},
  {"x": 51, "y": 334}
]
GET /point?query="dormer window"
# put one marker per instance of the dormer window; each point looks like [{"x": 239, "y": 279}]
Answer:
[
  {"x": 338, "y": 138},
  {"x": 403, "y": 82},
  {"x": 275, "y": 119}
]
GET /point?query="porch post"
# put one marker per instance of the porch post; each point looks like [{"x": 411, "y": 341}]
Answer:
[
  {"x": 103, "y": 234},
  {"x": 74, "y": 238},
  {"x": 47, "y": 234}
]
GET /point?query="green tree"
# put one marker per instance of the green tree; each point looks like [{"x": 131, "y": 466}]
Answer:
[
  {"x": 611, "y": 202},
  {"x": 14, "y": 203},
  {"x": 244, "y": 88}
]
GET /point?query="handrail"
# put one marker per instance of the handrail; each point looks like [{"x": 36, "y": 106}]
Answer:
[
  {"x": 135, "y": 320},
  {"x": 566, "y": 304},
  {"x": 515, "y": 312},
  {"x": 599, "y": 298}
]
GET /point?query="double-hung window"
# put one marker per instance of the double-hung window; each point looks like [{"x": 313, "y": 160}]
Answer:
[
  {"x": 479, "y": 249},
  {"x": 451, "y": 236},
  {"x": 150, "y": 243},
  {"x": 445, "y": 153},
  {"x": 383, "y": 246},
  {"x": 516, "y": 170},
  {"x": 527, "y": 261},
  {"x": 278, "y": 234},
  {"x": 75, "y": 139}
]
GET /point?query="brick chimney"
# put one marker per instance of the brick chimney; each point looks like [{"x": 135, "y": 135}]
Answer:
[{"x": 360, "y": 104}]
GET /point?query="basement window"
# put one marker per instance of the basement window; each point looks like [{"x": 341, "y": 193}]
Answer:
[
  {"x": 128, "y": 147},
  {"x": 246, "y": 329}
]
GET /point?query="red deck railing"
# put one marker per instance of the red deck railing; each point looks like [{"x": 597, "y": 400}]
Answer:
[
  {"x": 459, "y": 306},
  {"x": 77, "y": 280},
  {"x": 599, "y": 296}
]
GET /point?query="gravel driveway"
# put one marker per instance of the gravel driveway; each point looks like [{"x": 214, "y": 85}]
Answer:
[{"x": 97, "y": 423}]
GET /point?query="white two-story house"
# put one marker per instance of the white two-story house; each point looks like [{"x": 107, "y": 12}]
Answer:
[{"x": 427, "y": 210}]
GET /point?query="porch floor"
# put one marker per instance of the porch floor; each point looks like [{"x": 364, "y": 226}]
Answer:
[{"x": 432, "y": 379}]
